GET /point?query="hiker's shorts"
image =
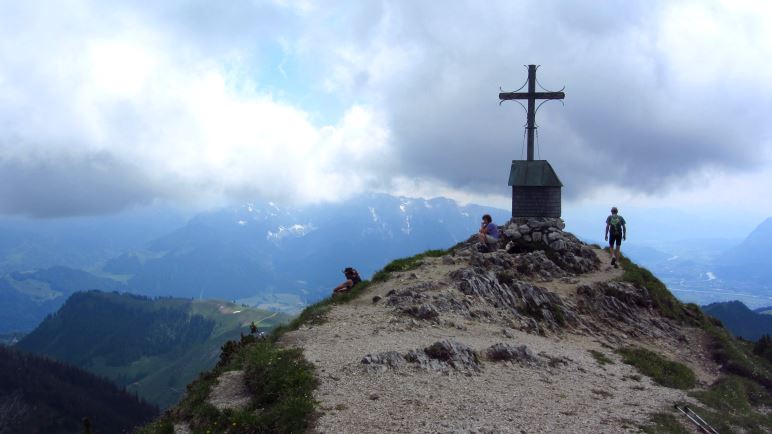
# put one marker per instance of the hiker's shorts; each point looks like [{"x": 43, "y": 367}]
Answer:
[
  {"x": 490, "y": 240},
  {"x": 612, "y": 239}
]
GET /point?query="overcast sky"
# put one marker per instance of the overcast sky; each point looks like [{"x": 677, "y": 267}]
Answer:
[{"x": 109, "y": 105}]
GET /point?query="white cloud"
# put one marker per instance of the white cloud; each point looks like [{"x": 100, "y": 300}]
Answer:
[{"x": 196, "y": 103}]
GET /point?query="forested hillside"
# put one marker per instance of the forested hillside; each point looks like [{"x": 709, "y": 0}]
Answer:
[
  {"x": 153, "y": 347},
  {"x": 740, "y": 320},
  {"x": 40, "y": 395}
]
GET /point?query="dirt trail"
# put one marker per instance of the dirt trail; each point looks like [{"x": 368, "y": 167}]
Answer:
[
  {"x": 579, "y": 397},
  {"x": 567, "y": 288}
]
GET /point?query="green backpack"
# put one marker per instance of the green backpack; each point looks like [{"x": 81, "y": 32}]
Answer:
[{"x": 616, "y": 224}]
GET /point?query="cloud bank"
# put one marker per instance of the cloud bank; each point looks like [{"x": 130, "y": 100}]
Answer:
[{"x": 110, "y": 105}]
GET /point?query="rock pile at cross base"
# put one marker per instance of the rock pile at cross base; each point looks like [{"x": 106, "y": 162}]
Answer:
[{"x": 496, "y": 342}]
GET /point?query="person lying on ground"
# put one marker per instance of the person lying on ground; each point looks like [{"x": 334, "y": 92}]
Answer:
[{"x": 352, "y": 278}]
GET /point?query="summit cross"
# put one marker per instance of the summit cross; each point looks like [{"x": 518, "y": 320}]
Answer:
[{"x": 531, "y": 96}]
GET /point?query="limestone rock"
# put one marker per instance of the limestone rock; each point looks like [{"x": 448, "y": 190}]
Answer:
[
  {"x": 455, "y": 354},
  {"x": 230, "y": 392},
  {"x": 440, "y": 356},
  {"x": 506, "y": 352},
  {"x": 424, "y": 311},
  {"x": 383, "y": 361}
]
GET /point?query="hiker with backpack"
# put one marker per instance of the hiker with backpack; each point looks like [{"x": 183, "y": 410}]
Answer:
[
  {"x": 352, "y": 278},
  {"x": 617, "y": 231}
]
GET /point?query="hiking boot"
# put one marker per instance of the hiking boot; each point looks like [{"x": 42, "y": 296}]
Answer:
[{"x": 614, "y": 261}]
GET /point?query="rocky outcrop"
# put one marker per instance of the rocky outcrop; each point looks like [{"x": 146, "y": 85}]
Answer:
[
  {"x": 520, "y": 354},
  {"x": 440, "y": 356},
  {"x": 624, "y": 307},
  {"x": 230, "y": 392},
  {"x": 451, "y": 355},
  {"x": 534, "y": 307},
  {"x": 524, "y": 235}
]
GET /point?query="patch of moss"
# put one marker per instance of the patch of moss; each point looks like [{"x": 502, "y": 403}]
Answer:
[
  {"x": 737, "y": 357},
  {"x": 732, "y": 402},
  {"x": 280, "y": 381},
  {"x": 763, "y": 348},
  {"x": 664, "y": 423},
  {"x": 664, "y": 301},
  {"x": 161, "y": 426},
  {"x": 601, "y": 358},
  {"x": 664, "y": 372}
]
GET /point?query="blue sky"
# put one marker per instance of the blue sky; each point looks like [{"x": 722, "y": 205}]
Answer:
[{"x": 112, "y": 105}]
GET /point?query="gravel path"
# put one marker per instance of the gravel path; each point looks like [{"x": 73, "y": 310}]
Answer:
[{"x": 580, "y": 396}]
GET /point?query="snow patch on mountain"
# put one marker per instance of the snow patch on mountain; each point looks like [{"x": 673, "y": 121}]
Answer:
[{"x": 295, "y": 230}]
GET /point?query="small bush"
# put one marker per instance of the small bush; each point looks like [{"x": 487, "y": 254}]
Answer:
[
  {"x": 731, "y": 402},
  {"x": 601, "y": 358},
  {"x": 281, "y": 382},
  {"x": 664, "y": 301},
  {"x": 763, "y": 348},
  {"x": 664, "y": 423},
  {"x": 664, "y": 372}
]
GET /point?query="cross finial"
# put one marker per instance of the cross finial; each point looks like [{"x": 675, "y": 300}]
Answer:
[{"x": 531, "y": 96}]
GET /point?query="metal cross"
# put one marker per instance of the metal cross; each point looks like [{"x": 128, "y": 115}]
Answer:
[{"x": 531, "y": 96}]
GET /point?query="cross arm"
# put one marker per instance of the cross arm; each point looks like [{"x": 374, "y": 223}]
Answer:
[{"x": 528, "y": 95}]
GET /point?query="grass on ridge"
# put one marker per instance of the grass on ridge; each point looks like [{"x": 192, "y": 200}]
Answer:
[
  {"x": 280, "y": 381},
  {"x": 664, "y": 301},
  {"x": 601, "y": 358},
  {"x": 664, "y": 423},
  {"x": 664, "y": 372},
  {"x": 314, "y": 314},
  {"x": 731, "y": 402}
]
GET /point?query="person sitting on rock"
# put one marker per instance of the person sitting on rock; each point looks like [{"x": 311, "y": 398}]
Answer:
[
  {"x": 489, "y": 232},
  {"x": 352, "y": 278},
  {"x": 615, "y": 227}
]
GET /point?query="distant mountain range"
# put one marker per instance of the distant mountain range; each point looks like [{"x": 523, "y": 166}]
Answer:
[
  {"x": 740, "y": 320},
  {"x": 263, "y": 251},
  {"x": 261, "y": 254},
  {"x": 80, "y": 242},
  {"x": 153, "y": 347},
  {"x": 39, "y": 395}
]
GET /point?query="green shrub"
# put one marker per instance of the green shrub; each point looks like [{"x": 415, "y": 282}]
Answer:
[
  {"x": 763, "y": 348},
  {"x": 737, "y": 357},
  {"x": 280, "y": 381},
  {"x": 601, "y": 358},
  {"x": 664, "y": 423},
  {"x": 664, "y": 372},
  {"x": 732, "y": 402},
  {"x": 664, "y": 301}
]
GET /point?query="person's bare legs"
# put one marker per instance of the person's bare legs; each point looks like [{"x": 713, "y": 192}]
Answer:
[{"x": 343, "y": 287}]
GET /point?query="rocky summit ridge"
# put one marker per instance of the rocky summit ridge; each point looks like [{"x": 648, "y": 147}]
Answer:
[{"x": 533, "y": 336}]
